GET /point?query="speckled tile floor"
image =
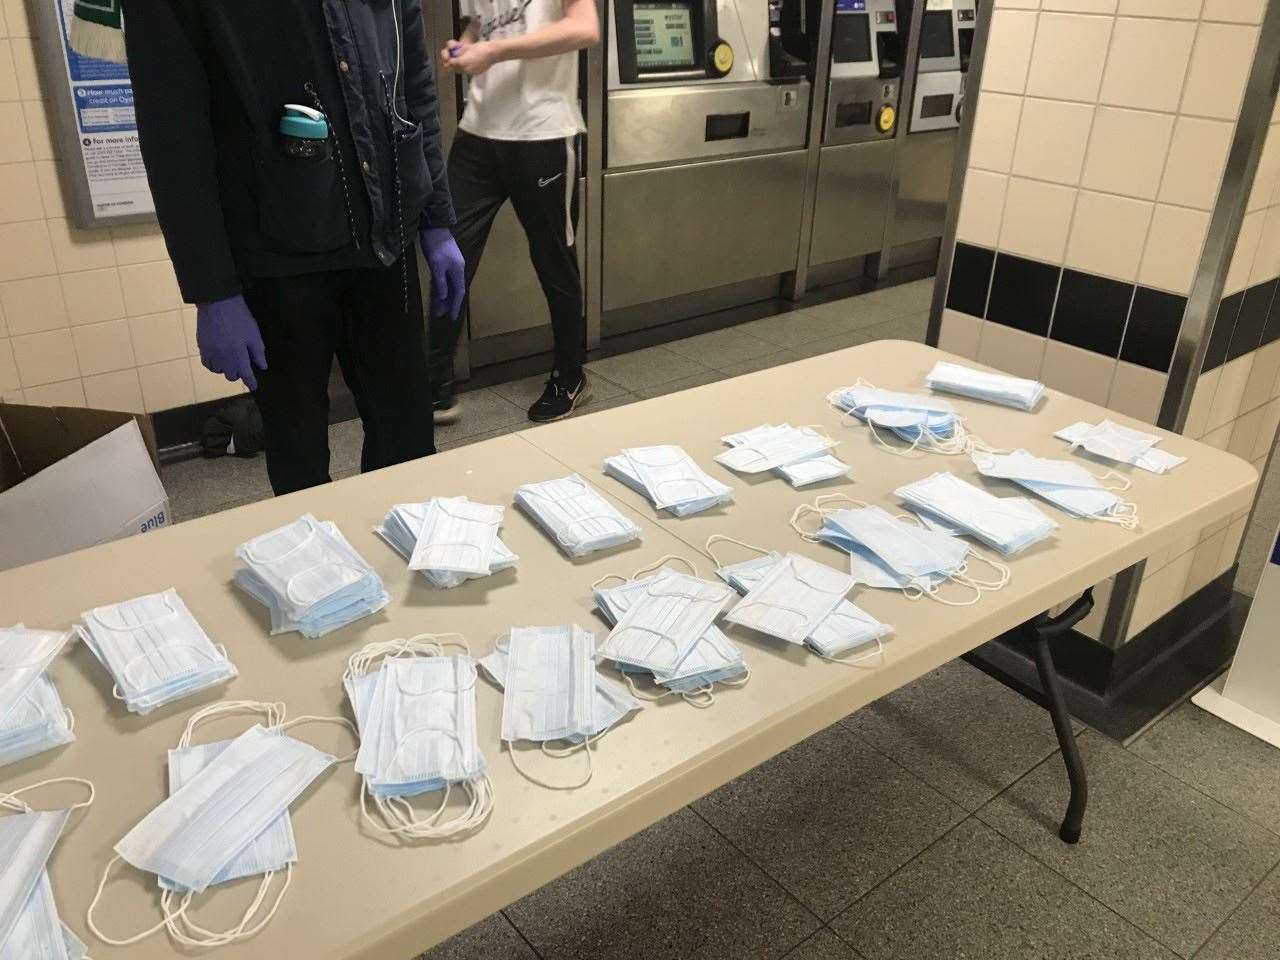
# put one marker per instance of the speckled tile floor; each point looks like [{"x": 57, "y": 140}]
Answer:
[{"x": 920, "y": 828}]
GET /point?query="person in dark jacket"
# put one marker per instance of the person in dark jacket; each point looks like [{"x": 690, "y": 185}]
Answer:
[{"x": 294, "y": 257}]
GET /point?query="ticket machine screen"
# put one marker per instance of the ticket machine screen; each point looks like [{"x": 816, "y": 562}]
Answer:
[
  {"x": 664, "y": 36},
  {"x": 851, "y": 38},
  {"x": 936, "y": 40}
]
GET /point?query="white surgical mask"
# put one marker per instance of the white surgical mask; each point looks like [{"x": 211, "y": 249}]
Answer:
[
  {"x": 1064, "y": 484},
  {"x": 36, "y": 723},
  {"x": 664, "y": 621},
  {"x": 769, "y": 448},
  {"x": 458, "y": 536},
  {"x": 576, "y": 515},
  {"x": 303, "y": 565},
  {"x": 24, "y": 656},
  {"x": 792, "y": 598},
  {"x": 925, "y": 422},
  {"x": 1121, "y": 444},
  {"x": 1009, "y": 525},
  {"x": 984, "y": 385},
  {"x": 670, "y": 479},
  {"x": 401, "y": 528}
]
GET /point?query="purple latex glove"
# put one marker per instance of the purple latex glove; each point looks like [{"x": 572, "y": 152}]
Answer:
[
  {"x": 229, "y": 340},
  {"x": 448, "y": 270}
]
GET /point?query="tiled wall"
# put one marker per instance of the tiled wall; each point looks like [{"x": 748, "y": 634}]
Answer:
[
  {"x": 1100, "y": 138},
  {"x": 86, "y": 316}
]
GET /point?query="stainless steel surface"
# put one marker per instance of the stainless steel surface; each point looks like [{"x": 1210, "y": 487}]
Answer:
[
  {"x": 676, "y": 230},
  {"x": 879, "y": 93},
  {"x": 799, "y": 280},
  {"x": 593, "y": 196},
  {"x": 949, "y": 85},
  {"x": 743, "y": 24},
  {"x": 652, "y": 125},
  {"x": 910, "y": 56},
  {"x": 923, "y": 168},
  {"x": 717, "y": 300},
  {"x": 852, "y": 200}
]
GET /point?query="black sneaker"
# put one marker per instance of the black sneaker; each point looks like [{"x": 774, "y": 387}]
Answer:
[
  {"x": 446, "y": 411},
  {"x": 560, "y": 398}
]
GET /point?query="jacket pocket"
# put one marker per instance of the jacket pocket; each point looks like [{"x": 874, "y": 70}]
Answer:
[
  {"x": 415, "y": 177},
  {"x": 301, "y": 205}
]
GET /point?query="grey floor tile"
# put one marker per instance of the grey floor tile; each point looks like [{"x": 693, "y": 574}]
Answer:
[
  {"x": 346, "y": 441},
  {"x": 913, "y": 297},
  {"x": 482, "y": 412},
  {"x": 1154, "y": 850},
  {"x": 912, "y": 327},
  {"x": 976, "y": 895},
  {"x": 487, "y": 435},
  {"x": 823, "y": 945},
  {"x": 676, "y": 891},
  {"x": 790, "y": 330},
  {"x": 966, "y": 735},
  {"x": 1223, "y": 761},
  {"x": 523, "y": 392},
  {"x": 839, "y": 341},
  {"x": 762, "y": 362},
  {"x": 684, "y": 383},
  {"x": 829, "y": 818},
  {"x": 645, "y": 368},
  {"x": 854, "y": 313},
  {"x": 491, "y": 939},
  {"x": 1253, "y": 932},
  {"x": 202, "y": 486},
  {"x": 720, "y": 348}
]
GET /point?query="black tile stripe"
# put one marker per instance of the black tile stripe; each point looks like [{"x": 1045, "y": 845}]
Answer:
[
  {"x": 970, "y": 278},
  {"x": 1091, "y": 311},
  {"x": 1152, "y": 332},
  {"x": 1224, "y": 322},
  {"x": 1022, "y": 293},
  {"x": 1251, "y": 319}
]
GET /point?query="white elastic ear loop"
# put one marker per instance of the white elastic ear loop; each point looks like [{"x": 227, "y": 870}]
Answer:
[
  {"x": 336, "y": 721},
  {"x": 641, "y": 694},
  {"x": 1126, "y": 482},
  {"x": 855, "y": 661},
  {"x": 1001, "y": 569},
  {"x": 511, "y": 752},
  {"x": 721, "y": 538},
  {"x": 197, "y": 936},
  {"x": 274, "y": 712},
  {"x": 915, "y": 442},
  {"x": 803, "y": 511},
  {"x": 10, "y": 799},
  {"x": 136, "y": 938},
  {"x": 1125, "y": 514},
  {"x": 404, "y": 821},
  {"x": 934, "y": 592},
  {"x": 667, "y": 558},
  {"x": 606, "y": 578}
]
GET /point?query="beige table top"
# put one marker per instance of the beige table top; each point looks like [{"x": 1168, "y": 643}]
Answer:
[{"x": 357, "y": 897}]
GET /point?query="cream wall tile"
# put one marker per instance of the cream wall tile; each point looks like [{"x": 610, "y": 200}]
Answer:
[
  {"x": 8, "y": 77},
  {"x": 25, "y": 250},
  {"x": 1018, "y": 4},
  {"x": 1157, "y": 595},
  {"x": 76, "y": 249},
  {"x": 1147, "y": 62},
  {"x": 1197, "y": 156},
  {"x": 1267, "y": 429},
  {"x": 1127, "y": 150},
  {"x": 33, "y": 306},
  {"x": 103, "y": 347},
  {"x": 39, "y": 130},
  {"x": 1173, "y": 248},
  {"x": 14, "y": 145},
  {"x": 981, "y": 206},
  {"x": 49, "y": 177},
  {"x": 1080, "y": 6},
  {"x": 17, "y": 18},
  {"x": 1201, "y": 404},
  {"x": 1266, "y": 259},
  {"x": 189, "y": 328},
  {"x": 45, "y": 358},
  {"x": 1246, "y": 249},
  {"x": 1231, "y": 544},
  {"x": 24, "y": 66},
  {"x": 68, "y": 393},
  {"x": 212, "y": 386},
  {"x": 158, "y": 336},
  {"x": 1107, "y": 235},
  {"x": 139, "y": 243},
  {"x": 1232, "y": 379},
  {"x": 995, "y": 130},
  {"x": 1068, "y": 57},
  {"x": 4, "y": 28},
  {"x": 1219, "y": 68},
  {"x": 1239, "y": 11},
  {"x": 149, "y": 288},
  {"x": 1178, "y": 9},
  {"x": 1081, "y": 373},
  {"x": 1008, "y": 50},
  {"x": 1218, "y": 438},
  {"x": 1011, "y": 351},
  {"x": 8, "y": 367},
  {"x": 1204, "y": 565},
  {"x": 4, "y": 326},
  {"x": 1262, "y": 377},
  {"x": 93, "y": 295},
  {"x": 1244, "y": 434},
  {"x": 1265, "y": 177},
  {"x": 19, "y": 193},
  {"x": 1137, "y": 391},
  {"x": 1091, "y": 626},
  {"x": 114, "y": 391},
  {"x": 962, "y": 333},
  {"x": 1051, "y": 140},
  {"x": 1036, "y": 218},
  {"x": 166, "y": 385}
]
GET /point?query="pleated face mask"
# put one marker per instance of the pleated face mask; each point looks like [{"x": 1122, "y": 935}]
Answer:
[
  {"x": 1007, "y": 524},
  {"x": 1122, "y": 444},
  {"x": 1065, "y": 484},
  {"x": 573, "y": 512},
  {"x": 664, "y": 621},
  {"x": 984, "y": 385},
  {"x": 303, "y": 566},
  {"x": 457, "y": 536},
  {"x": 24, "y": 656},
  {"x": 792, "y": 598},
  {"x": 926, "y": 423}
]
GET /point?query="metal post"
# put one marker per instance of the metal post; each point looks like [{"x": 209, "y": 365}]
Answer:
[
  {"x": 597, "y": 92},
  {"x": 906, "y": 97},
  {"x": 1069, "y": 832},
  {"x": 820, "y": 88}
]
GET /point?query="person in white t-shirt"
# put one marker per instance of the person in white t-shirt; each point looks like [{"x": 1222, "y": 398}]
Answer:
[{"x": 517, "y": 141}]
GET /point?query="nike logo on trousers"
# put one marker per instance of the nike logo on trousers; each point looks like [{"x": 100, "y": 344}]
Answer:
[{"x": 544, "y": 181}]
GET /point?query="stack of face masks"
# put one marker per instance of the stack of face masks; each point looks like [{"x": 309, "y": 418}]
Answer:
[
  {"x": 32, "y": 717},
  {"x": 575, "y": 514},
  {"x": 1009, "y": 524},
  {"x": 402, "y": 527},
  {"x": 669, "y": 478},
  {"x": 1121, "y": 444},
  {"x": 458, "y": 536},
  {"x": 847, "y": 627},
  {"x": 797, "y": 453},
  {"x": 929, "y": 423},
  {"x": 415, "y": 708},
  {"x": 226, "y": 818},
  {"x": 1066, "y": 485},
  {"x": 790, "y": 598},
  {"x": 155, "y": 650},
  {"x": 981, "y": 385},
  {"x": 30, "y": 928},
  {"x": 309, "y": 577}
]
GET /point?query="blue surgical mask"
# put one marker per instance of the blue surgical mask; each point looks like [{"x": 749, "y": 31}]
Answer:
[
  {"x": 36, "y": 723},
  {"x": 576, "y": 515},
  {"x": 1064, "y": 484},
  {"x": 669, "y": 478},
  {"x": 401, "y": 528},
  {"x": 1009, "y": 525}
]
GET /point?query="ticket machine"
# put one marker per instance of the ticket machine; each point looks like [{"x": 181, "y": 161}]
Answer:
[
  {"x": 946, "y": 42},
  {"x": 705, "y": 129}
]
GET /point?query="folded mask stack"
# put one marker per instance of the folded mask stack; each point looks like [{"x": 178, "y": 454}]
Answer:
[
  {"x": 983, "y": 385},
  {"x": 576, "y": 515},
  {"x": 669, "y": 478},
  {"x": 930, "y": 423},
  {"x": 1113, "y": 442},
  {"x": 32, "y": 717},
  {"x": 415, "y": 709},
  {"x": 799, "y": 454},
  {"x": 1007, "y": 524},
  {"x": 155, "y": 650},
  {"x": 1065, "y": 484},
  {"x": 403, "y": 526},
  {"x": 309, "y": 578}
]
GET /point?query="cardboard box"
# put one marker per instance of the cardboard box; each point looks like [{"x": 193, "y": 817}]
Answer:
[{"x": 71, "y": 478}]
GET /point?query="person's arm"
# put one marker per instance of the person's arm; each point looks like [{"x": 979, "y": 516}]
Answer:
[
  {"x": 171, "y": 98},
  {"x": 420, "y": 95},
  {"x": 577, "y": 29}
]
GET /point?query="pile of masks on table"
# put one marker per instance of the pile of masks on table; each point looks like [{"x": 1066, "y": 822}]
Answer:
[
  {"x": 309, "y": 578},
  {"x": 415, "y": 710},
  {"x": 419, "y": 530},
  {"x": 1066, "y": 485},
  {"x": 551, "y": 691},
  {"x": 798, "y": 454},
  {"x": 154, "y": 649},
  {"x": 32, "y": 717},
  {"x": 998, "y": 388},
  {"x": 669, "y": 478},
  {"x": 664, "y": 629},
  {"x": 1112, "y": 441},
  {"x": 1006, "y": 524},
  {"x": 930, "y": 423},
  {"x": 575, "y": 515}
]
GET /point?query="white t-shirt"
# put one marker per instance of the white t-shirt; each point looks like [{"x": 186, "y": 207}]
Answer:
[{"x": 521, "y": 99}]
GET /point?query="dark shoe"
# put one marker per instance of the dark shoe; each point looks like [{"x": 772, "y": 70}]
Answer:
[
  {"x": 560, "y": 398},
  {"x": 446, "y": 411}
]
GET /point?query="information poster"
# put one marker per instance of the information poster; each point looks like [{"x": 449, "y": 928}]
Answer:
[{"x": 106, "y": 132}]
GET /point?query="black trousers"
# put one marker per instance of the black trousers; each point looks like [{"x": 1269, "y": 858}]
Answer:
[
  {"x": 359, "y": 317},
  {"x": 540, "y": 178}
]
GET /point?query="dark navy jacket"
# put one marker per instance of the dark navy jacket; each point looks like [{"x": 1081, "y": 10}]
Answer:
[{"x": 211, "y": 78}]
